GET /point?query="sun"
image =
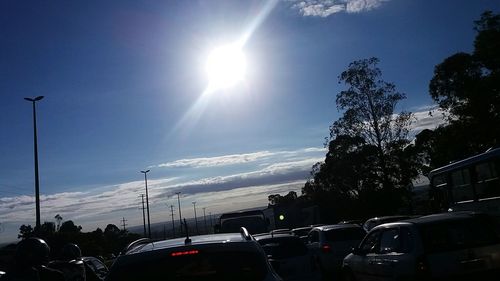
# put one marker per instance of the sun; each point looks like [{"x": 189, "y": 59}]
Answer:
[{"x": 226, "y": 66}]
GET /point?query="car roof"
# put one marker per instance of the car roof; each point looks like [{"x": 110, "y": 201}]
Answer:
[
  {"x": 387, "y": 218},
  {"x": 195, "y": 240},
  {"x": 449, "y": 216},
  {"x": 277, "y": 236},
  {"x": 336, "y": 226},
  {"x": 430, "y": 219},
  {"x": 302, "y": 228}
]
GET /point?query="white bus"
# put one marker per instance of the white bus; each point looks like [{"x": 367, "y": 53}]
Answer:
[{"x": 470, "y": 184}]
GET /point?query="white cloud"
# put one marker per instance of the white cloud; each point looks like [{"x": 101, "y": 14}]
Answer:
[
  {"x": 325, "y": 8},
  {"x": 428, "y": 117},
  {"x": 217, "y": 160},
  {"x": 234, "y": 159}
]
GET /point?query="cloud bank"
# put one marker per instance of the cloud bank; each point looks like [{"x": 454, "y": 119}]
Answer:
[
  {"x": 325, "y": 8},
  {"x": 271, "y": 172}
]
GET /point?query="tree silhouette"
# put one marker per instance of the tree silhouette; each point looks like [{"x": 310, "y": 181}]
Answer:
[
  {"x": 467, "y": 87},
  {"x": 58, "y": 220},
  {"x": 369, "y": 161}
]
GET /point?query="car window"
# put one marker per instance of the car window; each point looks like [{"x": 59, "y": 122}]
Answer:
[
  {"x": 223, "y": 266},
  {"x": 345, "y": 234},
  {"x": 406, "y": 239},
  {"x": 449, "y": 236},
  {"x": 370, "y": 243},
  {"x": 389, "y": 241},
  {"x": 314, "y": 236},
  {"x": 283, "y": 247}
]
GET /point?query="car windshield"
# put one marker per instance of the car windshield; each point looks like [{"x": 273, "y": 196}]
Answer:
[
  {"x": 285, "y": 247},
  {"x": 223, "y": 266},
  {"x": 252, "y": 224},
  {"x": 344, "y": 234}
]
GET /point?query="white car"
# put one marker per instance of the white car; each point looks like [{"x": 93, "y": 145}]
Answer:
[
  {"x": 288, "y": 255},
  {"x": 330, "y": 244},
  {"x": 450, "y": 246}
]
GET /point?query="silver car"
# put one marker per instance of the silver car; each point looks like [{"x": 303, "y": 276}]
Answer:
[
  {"x": 330, "y": 244},
  {"x": 450, "y": 246}
]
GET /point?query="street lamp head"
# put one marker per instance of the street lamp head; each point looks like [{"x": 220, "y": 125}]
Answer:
[
  {"x": 147, "y": 171},
  {"x": 34, "y": 99}
]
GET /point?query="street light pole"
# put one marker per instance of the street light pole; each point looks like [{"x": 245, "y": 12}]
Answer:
[
  {"x": 205, "y": 219},
  {"x": 180, "y": 215},
  {"x": 195, "y": 218},
  {"x": 147, "y": 200},
  {"x": 37, "y": 180}
]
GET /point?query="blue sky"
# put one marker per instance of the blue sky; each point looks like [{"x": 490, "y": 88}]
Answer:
[{"x": 122, "y": 82}]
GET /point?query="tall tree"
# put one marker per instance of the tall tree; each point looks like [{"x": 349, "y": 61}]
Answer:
[
  {"x": 368, "y": 163},
  {"x": 369, "y": 105}
]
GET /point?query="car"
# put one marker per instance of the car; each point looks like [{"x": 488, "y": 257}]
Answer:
[
  {"x": 330, "y": 244},
  {"x": 289, "y": 256},
  {"x": 302, "y": 233},
  {"x": 95, "y": 269},
  {"x": 230, "y": 256},
  {"x": 448, "y": 246},
  {"x": 371, "y": 223},
  {"x": 281, "y": 230}
]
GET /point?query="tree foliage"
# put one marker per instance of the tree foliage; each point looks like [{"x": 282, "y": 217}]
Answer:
[
  {"x": 467, "y": 87},
  {"x": 370, "y": 160}
]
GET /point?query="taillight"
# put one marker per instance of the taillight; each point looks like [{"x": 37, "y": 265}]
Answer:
[
  {"x": 183, "y": 253},
  {"x": 326, "y": 249}
]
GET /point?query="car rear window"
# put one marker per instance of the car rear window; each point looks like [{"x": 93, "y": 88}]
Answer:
[
  {"x": 460, "y": 234},
  {"x": 194, "y": 266},
  {"x": 345, "y": 234},
  {"x": 285, "y": 247}
]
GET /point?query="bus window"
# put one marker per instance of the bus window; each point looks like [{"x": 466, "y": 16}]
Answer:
[
  {"x": 488, "y": 184},
  {"x": 461, "y": 186}
]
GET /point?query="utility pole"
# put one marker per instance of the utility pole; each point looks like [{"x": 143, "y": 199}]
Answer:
[
  {"x": 173, "y": 222},
  {"x": 124, "y": 224},
  {"x": 143, "y": 215},
  {"x": 211, "y": 225},
  {"x": 37, "y": 180},
  {"x": 147, "y": 200},
  {"x": 195, "y": 218},
  {"x": 180, "y": 216},
  {"x": 205, "y": 219}
]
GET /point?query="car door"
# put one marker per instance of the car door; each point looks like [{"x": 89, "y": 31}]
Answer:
[
  {"x": 360, "y": 262},
  {"x": 313, "y": 246}
]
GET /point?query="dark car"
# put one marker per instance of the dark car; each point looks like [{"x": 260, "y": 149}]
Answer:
[
  {"x": 223, "y": 257},
  {"x": 289, "y": 256}
]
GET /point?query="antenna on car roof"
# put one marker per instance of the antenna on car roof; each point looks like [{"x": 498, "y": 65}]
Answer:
[{"x": 188, "y": 240}]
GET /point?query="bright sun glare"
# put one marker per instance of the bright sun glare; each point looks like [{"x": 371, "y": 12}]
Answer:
[{"x": 226, "y": 66}]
